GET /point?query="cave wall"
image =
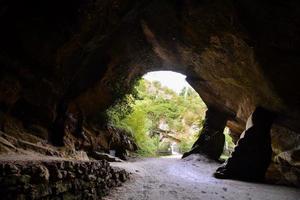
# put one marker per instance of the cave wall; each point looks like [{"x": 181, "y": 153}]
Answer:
[
  {"x": 58, "y": 179},
  {"x": 236, "y": 54}
]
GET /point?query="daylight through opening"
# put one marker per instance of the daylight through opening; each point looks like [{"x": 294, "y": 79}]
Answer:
[{"x": 163, "y": 114}]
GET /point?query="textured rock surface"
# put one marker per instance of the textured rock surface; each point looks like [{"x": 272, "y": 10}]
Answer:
[
  {"x": 104, "y": 156},
  {"x": 61, "y": 61},
  {"x": 58, "y": 179},
  {"x": 252, "y": 154},
  {"x": 211, "y": 140},
  {"x": 285, "y": 166},
  {"x": 16, "y": 139}
]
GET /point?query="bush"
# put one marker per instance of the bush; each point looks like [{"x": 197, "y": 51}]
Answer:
[
  {"x": 186, "y": 144},
  {"x": 143, "y": 112}
]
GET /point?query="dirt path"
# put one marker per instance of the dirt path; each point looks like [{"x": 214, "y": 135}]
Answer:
[{"x": 171, "y": 178}]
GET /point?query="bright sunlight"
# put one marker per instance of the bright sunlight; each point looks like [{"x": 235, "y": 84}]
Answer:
[{"x": 163, "y": 113}]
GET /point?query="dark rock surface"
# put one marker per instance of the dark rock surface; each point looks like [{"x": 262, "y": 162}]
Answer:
[
  {"x": 252, "y": 154},
  {"x": 58, "y": 179},
  {"x": 104, "y": 156},
  {"x": 17, "y": 139},
  {"x": 211, "y": 140},
  {"x": 62, "y": 61}
]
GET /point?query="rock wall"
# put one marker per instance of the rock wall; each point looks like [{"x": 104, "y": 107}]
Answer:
[
  {"x": 62, "y": 61},
  {"x": 285, "y": 166},
  {"x": 15, "y": 138},
  {"x": 58, "y": 179}
]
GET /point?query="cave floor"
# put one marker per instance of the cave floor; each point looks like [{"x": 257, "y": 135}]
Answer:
[{"x": 169, "y": 178}]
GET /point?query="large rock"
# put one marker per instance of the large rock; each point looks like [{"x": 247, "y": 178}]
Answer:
[
  {"x": 211, "y": 140},
  {"x": 252, "y": 155}
]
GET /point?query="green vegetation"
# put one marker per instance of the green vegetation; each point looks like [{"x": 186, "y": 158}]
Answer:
[
  {"x": 156, "y": 116},
  {"x": 229, "y": 145}
]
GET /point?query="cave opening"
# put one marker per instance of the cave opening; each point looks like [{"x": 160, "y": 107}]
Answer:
[
  {"x": 164, "y": 115},
  {"x": 62, "y": 65}
]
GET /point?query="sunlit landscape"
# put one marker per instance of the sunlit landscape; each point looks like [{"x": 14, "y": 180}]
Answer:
[{"x": 164, "y": 114}]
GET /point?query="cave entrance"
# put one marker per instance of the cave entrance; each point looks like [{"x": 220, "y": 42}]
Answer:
[{"x": 163, "y": 114}]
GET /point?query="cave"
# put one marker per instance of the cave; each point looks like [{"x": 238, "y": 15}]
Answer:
[{"x": 62, "y": 61}]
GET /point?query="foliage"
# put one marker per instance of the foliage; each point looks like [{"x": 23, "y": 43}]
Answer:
[
  {"x": 153, "y": 105},
  {"x": 164, "y": 147},
  {"x": 138, "y": 123},
  {"x": 186, "y": 144},
  {"x": 120, "y": 110},
  {"x": 229, "y": 145}
]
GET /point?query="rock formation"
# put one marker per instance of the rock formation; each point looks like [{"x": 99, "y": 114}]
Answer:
[
  {"x": 211, "y": 140},
  {"x": 61, "y": 61},
  {"x": 62, "y": 179},
  {"x": 252, "y": 155}
]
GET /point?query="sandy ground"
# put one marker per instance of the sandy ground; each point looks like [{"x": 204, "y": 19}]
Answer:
[{"x": 169, "y": 178}]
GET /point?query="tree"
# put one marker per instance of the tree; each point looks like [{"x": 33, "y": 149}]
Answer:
[{"x": 151, "y": 103}]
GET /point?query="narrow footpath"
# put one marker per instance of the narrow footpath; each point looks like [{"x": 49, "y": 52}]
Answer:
[{"x": 170, "y": 178}]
